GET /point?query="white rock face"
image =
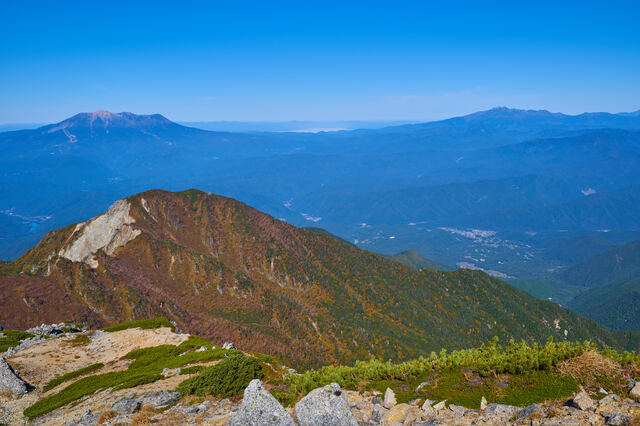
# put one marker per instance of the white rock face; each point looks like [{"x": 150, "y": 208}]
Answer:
[{"x": 107, "y": 231}]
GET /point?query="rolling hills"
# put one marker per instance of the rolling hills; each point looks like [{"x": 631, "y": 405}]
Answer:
[
  {"x": 613, "y": 266},
  {"x": 227, "y": 271},
  {"x": 615, "y": 306}
]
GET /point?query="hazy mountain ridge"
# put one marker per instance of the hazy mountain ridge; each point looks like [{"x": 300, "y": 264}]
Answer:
[
  {"x": 530, "y": 177},
  {"x": 615, "y": 306},
  {"x": 613, "y": 266}
]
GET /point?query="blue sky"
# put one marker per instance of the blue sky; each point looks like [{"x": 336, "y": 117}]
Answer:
[{"x": 307, "y": 60}]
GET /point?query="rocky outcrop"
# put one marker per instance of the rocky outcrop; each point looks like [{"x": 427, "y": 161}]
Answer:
[
  {"x": 161, "y": 399},
  {"x": 9, "y": 381},
  {"x": 325, "y": 406},
  {"x": 107, "y": 231},
  {"x": 260, "y": 408},
  {"x": 501, "y": 411}
]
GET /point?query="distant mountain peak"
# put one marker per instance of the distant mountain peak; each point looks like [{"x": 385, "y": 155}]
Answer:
[{"x": 107, "y": 119}]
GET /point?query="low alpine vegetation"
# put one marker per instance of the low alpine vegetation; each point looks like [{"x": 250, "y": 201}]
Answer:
[
  {"x": 146, "y": 367},
  {"x": 144, "y": 324},
  {"x": 518, "y": 374},
  {"x": 72, "y": 375},
  {"x": 227, "y": 378},
  {"x": 11, "y": 338}
]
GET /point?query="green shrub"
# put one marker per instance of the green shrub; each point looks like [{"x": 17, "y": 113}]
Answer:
[
  {"x": 228, "y": 378},
  {"x": 144, "y": 324},
  {"x": 192, "y": 370},
  {"x": 72, "y": 375},
  {"x": 146, "y": 367},
  {"x": 488, "y": 360},
  {"x": 12, "y": 338}
]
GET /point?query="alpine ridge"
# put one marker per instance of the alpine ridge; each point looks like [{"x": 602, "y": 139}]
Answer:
[{"x": 229, "y": 272}]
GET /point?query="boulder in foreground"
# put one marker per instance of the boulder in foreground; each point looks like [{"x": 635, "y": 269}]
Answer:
[
  {"x": 325, "y": 406},
  {"x": 260, "y": 408}
]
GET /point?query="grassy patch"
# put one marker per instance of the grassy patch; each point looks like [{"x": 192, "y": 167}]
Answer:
[
  {"x": 192, "y": 370},
  {"x": 79, "y": 340},
  {"x": 146, "y": 367},
  {"x": 72, "y": 375},
  {"x": 144, "y": 324},
  {"x": 460, "y": 389},
  {"x": 12, "y": 338},
  {"x": 227, "y": 378}
]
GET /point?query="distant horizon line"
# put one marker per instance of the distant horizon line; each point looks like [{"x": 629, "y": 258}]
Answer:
[{"x": 36, "y": 124}]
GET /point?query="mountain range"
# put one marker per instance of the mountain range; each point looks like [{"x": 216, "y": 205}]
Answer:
[
  {"x": 227, "y": 271},
  {"x": 520, "y": 194}
]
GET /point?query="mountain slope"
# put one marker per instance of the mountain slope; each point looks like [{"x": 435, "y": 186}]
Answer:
[
  {"x": 413, "y": 260},
  {"x": 617, "y": 265},
  {"x": 615, "y": 306},
  {"x": 228, "y": 271}
]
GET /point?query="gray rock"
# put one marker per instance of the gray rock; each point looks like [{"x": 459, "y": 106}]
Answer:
[
  {"x": 325, "y": 406},
  {"x": 602, "y": 391},
  {"x": 420, "y": 386},
  {"x": 204, "y": 406},
  {"x": 500, "y": 410},
  {"x": 161, "y": 399},
  {"x": 432, "y": 422},
  {"x": 533, "y": 410},
  {"x": 483, "y": 403},
  {"x": 88, "y": 418},
  {"x": 609, "y": 399},
  {"x": 126, "y": 406},
  {"x": 170, "y": 372},
  {"x": 377, "y": 413},
  {"x": 376, "y": 400},
  {"x": 583, "y": 401},
  {"x": 201, "y": 349},
  {"x": 440, "y": 405},
  {"x": 389, "y": 399},
  {"x": 618, "y": 420},
  {"x": 457, "y": 409},
  {"x": 190, "y": 409},
  {"x": 229, "y": 345},
  {"x": 427, "y": 405},
  {"x": 428, "y": 410},
  {"x": 635, "y": 391},
  {"x": 9, "y": 380},
  {"x": 23, "y": 345},
  {"x": 260, "y": 408}
]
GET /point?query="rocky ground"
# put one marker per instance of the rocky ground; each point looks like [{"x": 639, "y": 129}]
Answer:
[{"x": 25, "y": 370}]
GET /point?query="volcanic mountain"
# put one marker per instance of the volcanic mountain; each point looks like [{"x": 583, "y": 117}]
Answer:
[{"x": 222, "y": 269}]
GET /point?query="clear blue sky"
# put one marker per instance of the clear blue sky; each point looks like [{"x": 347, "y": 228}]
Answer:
[{"x": 307, "y": 60}]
